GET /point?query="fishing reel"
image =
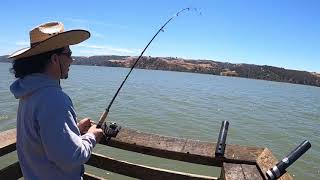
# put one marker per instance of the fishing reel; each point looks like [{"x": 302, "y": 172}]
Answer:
[{"x": 110, "y": 129}]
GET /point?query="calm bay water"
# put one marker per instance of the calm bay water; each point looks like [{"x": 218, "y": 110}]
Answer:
[{"x": 261, "y": 113}]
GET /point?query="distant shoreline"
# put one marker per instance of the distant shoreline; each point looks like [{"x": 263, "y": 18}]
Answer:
[{"x": 250, "y": 71}]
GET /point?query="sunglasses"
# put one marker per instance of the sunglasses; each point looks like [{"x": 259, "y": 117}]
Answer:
[{"x": 68, "y": 54}]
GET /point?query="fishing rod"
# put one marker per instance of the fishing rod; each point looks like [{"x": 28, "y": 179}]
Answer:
[{"x": 106, "y": 112}]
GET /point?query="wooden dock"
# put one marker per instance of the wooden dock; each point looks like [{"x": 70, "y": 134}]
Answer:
[{"x": 238, "y": 163}]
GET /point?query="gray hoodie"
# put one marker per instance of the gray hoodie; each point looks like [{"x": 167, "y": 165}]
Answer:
[{"x": 49, "y": 143}]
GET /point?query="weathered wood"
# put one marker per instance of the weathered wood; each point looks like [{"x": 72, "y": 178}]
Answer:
[
  {"x": 251, "y": 172},
  {"x": 240, "y": 172},
  {"x": 188, "y": 150},
  {"x": 88, "y": 176},
  {"x": 232, "y": 172},
  {"x": 242, "y": 154},
  {"x": 139, "y": 171},
  {"x": 182, "y": 149},
  {"x": 12, "y": 171},
  {"x": 7, "y": 141},
  {"x": 266, "y": 160}
]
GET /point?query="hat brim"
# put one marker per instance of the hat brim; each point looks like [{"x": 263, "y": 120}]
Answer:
[{"x": 60, "y": 40}]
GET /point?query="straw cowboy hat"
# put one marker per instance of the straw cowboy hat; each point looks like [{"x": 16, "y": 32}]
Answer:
[{"x": 50, "y": 36}]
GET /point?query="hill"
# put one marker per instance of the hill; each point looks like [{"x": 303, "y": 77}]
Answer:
[{"x": 252, "y": 71}]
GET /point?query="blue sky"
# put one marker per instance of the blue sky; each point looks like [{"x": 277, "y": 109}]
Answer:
[{"x": 282, "y": 33}]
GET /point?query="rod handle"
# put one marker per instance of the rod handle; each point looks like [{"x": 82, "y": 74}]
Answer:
[{"x": 102, "y": 119}]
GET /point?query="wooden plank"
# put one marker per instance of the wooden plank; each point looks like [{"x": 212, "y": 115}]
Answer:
[
  {"x": 7, "y": 141},
  {"x": 251, "y": 172},
  {"x": 242, "y": 154},
  {"x": 267, "y": 160},
  {"x": 240, "y": 172},
  {"x": 188, "y": 150},
  {"x": 11, "y": 172},
  {"x": 232, "y": 172},
  {"x": 174, "y": 148},
  {"x": 139, "y": 171},
  {"x": 88, "y": 176},
  {"x": 167, "y": 147},
  {"x": 14, "y": 172}
]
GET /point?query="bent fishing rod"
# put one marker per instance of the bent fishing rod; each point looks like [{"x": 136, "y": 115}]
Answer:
[{"x": 106, "y": 112}]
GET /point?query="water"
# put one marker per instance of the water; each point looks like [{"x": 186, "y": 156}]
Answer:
[{"x": 261, "y": 113}]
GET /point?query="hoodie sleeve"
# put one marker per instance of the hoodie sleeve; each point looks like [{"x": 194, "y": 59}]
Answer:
[{"x": 59, "y": 133}]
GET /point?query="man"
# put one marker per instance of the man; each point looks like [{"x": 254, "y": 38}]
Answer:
[{"x": 49, "y": 141}]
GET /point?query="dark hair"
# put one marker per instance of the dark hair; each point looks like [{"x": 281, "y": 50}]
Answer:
[{"x": 33, "y": 64}]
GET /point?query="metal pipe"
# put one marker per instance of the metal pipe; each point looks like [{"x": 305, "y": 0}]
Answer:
[
  {"x": 221, "y": 144},
  {"x": 279, "y": 169}
]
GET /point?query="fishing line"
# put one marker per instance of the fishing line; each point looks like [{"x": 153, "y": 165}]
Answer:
[{"x": 106, "y": 112}]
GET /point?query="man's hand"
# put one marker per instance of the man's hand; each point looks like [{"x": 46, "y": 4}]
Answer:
[
  {"x": 84, "y": 125},
  {"x": 97, "y": 132}
]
